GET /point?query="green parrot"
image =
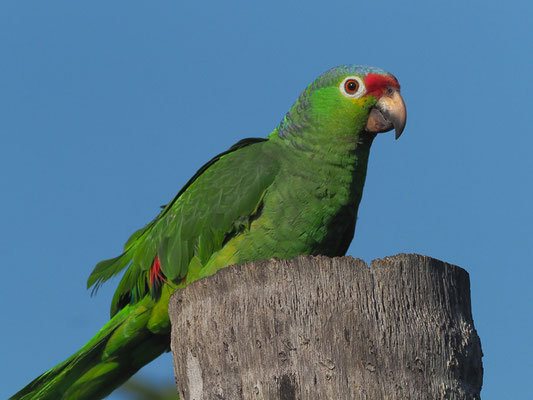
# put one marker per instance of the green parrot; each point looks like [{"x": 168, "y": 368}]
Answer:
[{"x": 294, "y": 192}]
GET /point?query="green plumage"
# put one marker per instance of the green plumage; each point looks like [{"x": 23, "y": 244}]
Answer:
[{"x": 295, "y": 192}]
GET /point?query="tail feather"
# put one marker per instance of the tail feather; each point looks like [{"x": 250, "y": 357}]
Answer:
[
  {"x": 131, "y": 339},
  {"x": 60, "y": 378}
]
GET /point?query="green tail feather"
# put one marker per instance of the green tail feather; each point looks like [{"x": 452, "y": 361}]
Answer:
[{"x": 111, "y": 357}]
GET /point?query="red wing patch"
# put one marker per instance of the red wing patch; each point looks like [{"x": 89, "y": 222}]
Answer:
[{"x": 156, "y": 275}]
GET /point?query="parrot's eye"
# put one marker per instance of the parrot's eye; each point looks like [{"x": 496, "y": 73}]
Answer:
[{"x": 352, "y": 87}]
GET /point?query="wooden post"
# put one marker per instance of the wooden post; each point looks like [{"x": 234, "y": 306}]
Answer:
[{"x": 322, "y": 328}]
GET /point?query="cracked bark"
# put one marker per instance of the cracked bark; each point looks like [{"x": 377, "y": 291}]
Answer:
[{"x": 327, "y": 328}]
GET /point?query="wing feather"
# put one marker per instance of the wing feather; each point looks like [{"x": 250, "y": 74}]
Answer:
[{"x": 212, "y": 206}]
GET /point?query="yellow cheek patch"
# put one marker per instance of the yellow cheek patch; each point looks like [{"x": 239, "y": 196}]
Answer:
[{"x": 360, "y": 101}]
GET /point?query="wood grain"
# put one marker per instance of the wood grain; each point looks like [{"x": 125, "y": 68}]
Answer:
[{"x": 328, "y": 328}]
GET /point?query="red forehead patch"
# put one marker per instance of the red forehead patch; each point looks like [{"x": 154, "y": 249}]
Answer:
[{"x": 376, "y": 84}]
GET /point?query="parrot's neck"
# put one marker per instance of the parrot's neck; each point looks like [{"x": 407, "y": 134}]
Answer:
[
  {"x": 338, "y": 160},
  {"x": 324, "y": 145},
  {"x": 325, "y": 149},
  {"x": 326, "y": 134}
]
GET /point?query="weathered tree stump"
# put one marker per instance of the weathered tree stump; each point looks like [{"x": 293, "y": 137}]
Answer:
[{"x": 322, "y": 328}]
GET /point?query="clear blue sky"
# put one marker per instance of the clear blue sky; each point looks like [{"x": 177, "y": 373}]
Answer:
[{"x": 107, "y": 108}]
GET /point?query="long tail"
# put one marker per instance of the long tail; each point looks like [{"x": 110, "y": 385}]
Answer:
[{"x": 131, "y": 339}]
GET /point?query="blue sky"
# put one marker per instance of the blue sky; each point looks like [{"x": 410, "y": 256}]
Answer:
[{"x": 107, "y": 108}]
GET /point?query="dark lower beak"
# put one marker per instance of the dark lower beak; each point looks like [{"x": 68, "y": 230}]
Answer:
[{"x": 388, "y": 113}]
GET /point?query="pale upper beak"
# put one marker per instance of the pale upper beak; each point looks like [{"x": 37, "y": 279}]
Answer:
[{"x": 388, "y": 113}]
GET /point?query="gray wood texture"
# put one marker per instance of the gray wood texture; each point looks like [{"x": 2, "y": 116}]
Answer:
[{"x": 327, "y": 328}]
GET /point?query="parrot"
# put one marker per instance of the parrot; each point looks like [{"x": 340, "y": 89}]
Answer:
[{"x": 296, "y": 191}]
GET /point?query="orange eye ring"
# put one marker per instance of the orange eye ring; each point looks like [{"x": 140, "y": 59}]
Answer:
[{"x": 351, "y": 86}]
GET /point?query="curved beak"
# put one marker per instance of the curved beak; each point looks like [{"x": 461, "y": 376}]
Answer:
[{"x": 388, "y": 113}]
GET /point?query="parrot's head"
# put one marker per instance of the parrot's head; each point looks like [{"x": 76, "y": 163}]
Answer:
[{"x": 349, "y": 100}]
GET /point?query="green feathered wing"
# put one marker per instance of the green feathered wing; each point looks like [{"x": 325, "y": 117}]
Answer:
[
  {"x": 211, "y": 208},
  {"x": 217, "y": 204}
]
